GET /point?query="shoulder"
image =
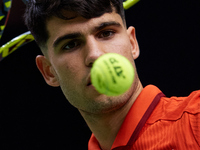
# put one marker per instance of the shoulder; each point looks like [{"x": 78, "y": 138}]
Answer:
[
  {"x": 173, "y": 108},
  {"x": 190, "y": 104},
  {"x": 182, "y": 113}
]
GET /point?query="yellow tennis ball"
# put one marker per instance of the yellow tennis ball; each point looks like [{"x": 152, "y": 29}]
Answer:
[{"x": 112, "y": 74}]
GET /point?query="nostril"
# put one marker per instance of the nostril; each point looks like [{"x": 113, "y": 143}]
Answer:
[
  {"x": 91, "y": 55},
  {"x": 89, "y": 62}
]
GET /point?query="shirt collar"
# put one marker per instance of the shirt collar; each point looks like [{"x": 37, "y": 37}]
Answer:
[{"x": 132, "y": 119}]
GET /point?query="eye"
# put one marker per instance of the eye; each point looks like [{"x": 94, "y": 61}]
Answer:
[
  {"x": 106, "y": 34},
  {"x": 72, "y": 45}
]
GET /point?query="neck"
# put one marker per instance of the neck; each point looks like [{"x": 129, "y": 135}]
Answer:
[{"x": 106, "y": 126}]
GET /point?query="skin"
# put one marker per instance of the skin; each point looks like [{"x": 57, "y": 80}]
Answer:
[{"x": 68, "y": 62}]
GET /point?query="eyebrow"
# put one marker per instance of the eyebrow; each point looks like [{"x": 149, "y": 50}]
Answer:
[
  {"x": 105, "y": 24},
  {"x": 78, "y": 34},
  {"x": 65, "y": 37}
]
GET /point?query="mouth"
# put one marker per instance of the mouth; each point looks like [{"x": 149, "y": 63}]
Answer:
[{"x": 89, "y": 82}]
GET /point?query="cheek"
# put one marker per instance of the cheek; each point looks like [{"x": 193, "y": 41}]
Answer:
[
  {"x": 122, "y": 46},
  {"x": 66, "y": 70},
  {"x": 69, "y": 79}
]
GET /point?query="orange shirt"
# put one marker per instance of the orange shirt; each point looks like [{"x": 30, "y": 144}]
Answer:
[{"x": 155, "y": 122}]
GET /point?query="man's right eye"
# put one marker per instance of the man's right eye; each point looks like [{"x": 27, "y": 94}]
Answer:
[{"x": 72, "y": 45}]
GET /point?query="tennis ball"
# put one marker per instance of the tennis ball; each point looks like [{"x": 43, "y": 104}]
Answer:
[{"x": 112, "y": 74}]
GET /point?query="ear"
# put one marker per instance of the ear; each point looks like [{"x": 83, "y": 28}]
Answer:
[
  {"x": 134, "y": 44},
  {"x": 47, "y": 70}
]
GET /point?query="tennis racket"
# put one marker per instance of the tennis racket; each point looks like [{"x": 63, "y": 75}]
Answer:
[{"x": 26, "y": 37}]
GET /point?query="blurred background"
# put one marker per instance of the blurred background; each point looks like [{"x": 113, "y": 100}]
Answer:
[{"x": 36, "y": 116}]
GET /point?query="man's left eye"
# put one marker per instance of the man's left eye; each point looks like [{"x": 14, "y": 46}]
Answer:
[{"x": 106, "y": 34}]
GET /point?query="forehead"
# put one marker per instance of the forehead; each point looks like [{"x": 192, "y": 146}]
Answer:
[
  {"x": 58, "y": 27},
  {"x": 55, "y": 21}
]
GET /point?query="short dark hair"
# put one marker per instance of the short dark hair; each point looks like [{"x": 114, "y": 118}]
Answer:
[{"x": 38, "y": 11}]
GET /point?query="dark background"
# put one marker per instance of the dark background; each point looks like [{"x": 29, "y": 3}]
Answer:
[{"x": 36, "y": 116}]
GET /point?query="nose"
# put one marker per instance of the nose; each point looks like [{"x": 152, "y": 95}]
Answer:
[{"x": 93, "y": 50}]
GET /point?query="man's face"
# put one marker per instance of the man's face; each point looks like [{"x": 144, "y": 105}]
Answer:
[{"x": 73, "y": 47}]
